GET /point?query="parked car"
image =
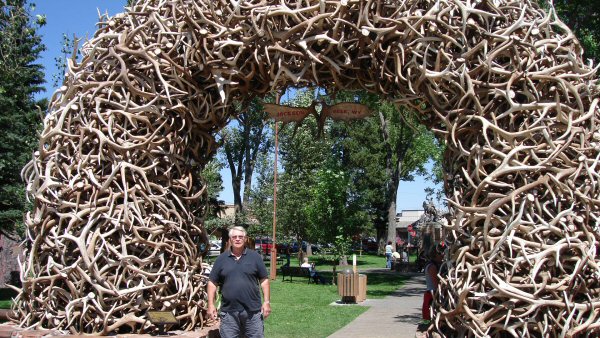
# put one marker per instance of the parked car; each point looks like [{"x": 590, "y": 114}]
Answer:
[
  {"x": 370, "y": 245},
  {"x": 263, "y": 245},
  {"x": 313, "y": 246},
  {"x": 294, "y": 247},
  {"x": 366, "y": 245},
  {"x": 282, "y": 248}
]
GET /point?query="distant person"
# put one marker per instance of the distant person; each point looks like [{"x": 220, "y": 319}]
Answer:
[
  {"x": 238, "y": 272},
  {"x": 314, "y": 275},
  {"x": 396, "y": 259},
  {"x": 388, "y": 254},
  {"x": 432, "y": 280},
  {"x": 404, "y": 255},
  {"x": 288, "y": 254}
]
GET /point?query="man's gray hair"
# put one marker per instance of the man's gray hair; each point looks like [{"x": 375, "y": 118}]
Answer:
[{"x": 238, "y": 228}]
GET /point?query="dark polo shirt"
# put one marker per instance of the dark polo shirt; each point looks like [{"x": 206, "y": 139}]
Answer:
[{"x": 239, "y": 280}]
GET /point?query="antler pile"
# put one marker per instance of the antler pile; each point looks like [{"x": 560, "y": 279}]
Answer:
[
  {"x": 115, "y": 228},
  {"x": 112, "y": 232}
]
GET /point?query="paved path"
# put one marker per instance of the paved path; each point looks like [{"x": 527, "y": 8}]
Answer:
[{"x": 396, "y": 315}]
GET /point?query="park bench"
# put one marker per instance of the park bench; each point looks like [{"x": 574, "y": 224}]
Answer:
[{"x": 294, "y": 271}]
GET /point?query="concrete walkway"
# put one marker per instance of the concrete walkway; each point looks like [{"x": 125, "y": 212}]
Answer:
[{"x": 396, "y": 315}]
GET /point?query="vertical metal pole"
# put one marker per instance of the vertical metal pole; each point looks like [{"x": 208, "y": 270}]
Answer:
[{"x": 273, "y": 248}]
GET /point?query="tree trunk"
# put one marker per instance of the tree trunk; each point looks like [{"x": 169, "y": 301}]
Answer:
[
  {"x": 246, "y": 161},
  {"x": 224, "y": 239},
  {"x": 237, "y": 199},
  {"x": 247, "y": 188},
  {"x": 391, "y": 229},
  {"x": 249, "y": 160},
  {"x": 381, "y": 236},
  {"x": 308, "y": 249},
  {"x": 236, "y": 182},
  {"x": 393, "y": 169}
]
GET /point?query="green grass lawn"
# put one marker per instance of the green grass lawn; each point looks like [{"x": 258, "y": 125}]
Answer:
[
  {"x": 325, "y": 262},
  {"x": 5, "y": 304},
  {"x": 304, "y": 310},
  {"x": 366, "y": 261},
  {"x": 6, "y": 296}
]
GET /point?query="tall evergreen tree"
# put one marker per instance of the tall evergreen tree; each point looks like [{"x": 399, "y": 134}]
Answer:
[{"x": 20, "y": 78}]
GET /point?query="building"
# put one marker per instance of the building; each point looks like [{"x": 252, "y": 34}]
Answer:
[
  {"x": 227, "y": 211},
  {"x": 406, "y": 225},
  {"x": 415, "y": 229}
]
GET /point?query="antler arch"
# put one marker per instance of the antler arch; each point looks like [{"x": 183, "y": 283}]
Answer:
[{"x": 113, "y": 232}]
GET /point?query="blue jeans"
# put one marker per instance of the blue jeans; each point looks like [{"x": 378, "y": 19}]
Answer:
[
  {"x": 237, "y": 324},
  {"x": 388, "y": 264}
]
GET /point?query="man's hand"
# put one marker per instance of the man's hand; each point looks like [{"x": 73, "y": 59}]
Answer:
[
  {"x": 266, "y": 306},
  {"x": 211, "y": 290},
  {"x": 212, "y": 312},
  {"x": 266, "y": 310}
]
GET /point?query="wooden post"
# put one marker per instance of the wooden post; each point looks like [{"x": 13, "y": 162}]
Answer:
[{"x": 273, "y": 246}]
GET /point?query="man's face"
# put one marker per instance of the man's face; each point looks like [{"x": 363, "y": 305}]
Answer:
[{"x": 237, "y": 239}]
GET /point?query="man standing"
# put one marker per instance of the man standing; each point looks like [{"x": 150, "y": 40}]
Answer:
[
  {"x": 239, "y": 271},
  {"x": 388, "y": 254}
]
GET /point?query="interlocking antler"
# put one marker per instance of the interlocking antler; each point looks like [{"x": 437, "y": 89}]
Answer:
[{"x": 118, "y": 209}]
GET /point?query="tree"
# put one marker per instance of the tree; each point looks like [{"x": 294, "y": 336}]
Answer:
[
  {"x": 385, "y": 149},
  {"x": 211, "y": 176},
  {"x": 243, "y": 142},
  {"x": 261, "y": 196},
  {"x": 583, "y": 18},
  {"x": 408, "y": 147},
  {"x": 376, "y": 154},
  {"x": 69, "y": 49},
  {"x": 301, "y": 155},
  {"x": 20, "y": 78},
  {"x": 331, "y": 210}
]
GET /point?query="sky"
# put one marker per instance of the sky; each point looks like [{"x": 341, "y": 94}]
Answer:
[{"x": 79, "y": 17}]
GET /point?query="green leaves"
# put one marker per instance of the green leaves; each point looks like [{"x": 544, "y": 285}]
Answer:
[
  {"x": 20, "y": 78},
  {"x": 331, "y": 217},
  {"x": 583, "y": 18},
  {"x": 40, "y": 20}
]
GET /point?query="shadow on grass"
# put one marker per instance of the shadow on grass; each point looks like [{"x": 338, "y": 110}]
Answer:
[{"x": 7, "y": 294}]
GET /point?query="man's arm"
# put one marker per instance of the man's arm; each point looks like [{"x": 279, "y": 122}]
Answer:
[
  {"x": 266, "y": 289},
  {"x": 212, "y": 293}
]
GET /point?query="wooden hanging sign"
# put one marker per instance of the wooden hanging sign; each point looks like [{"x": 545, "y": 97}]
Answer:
[
  {"x": 346, "y": 111},
  {"x": 286, "y": 113}
]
